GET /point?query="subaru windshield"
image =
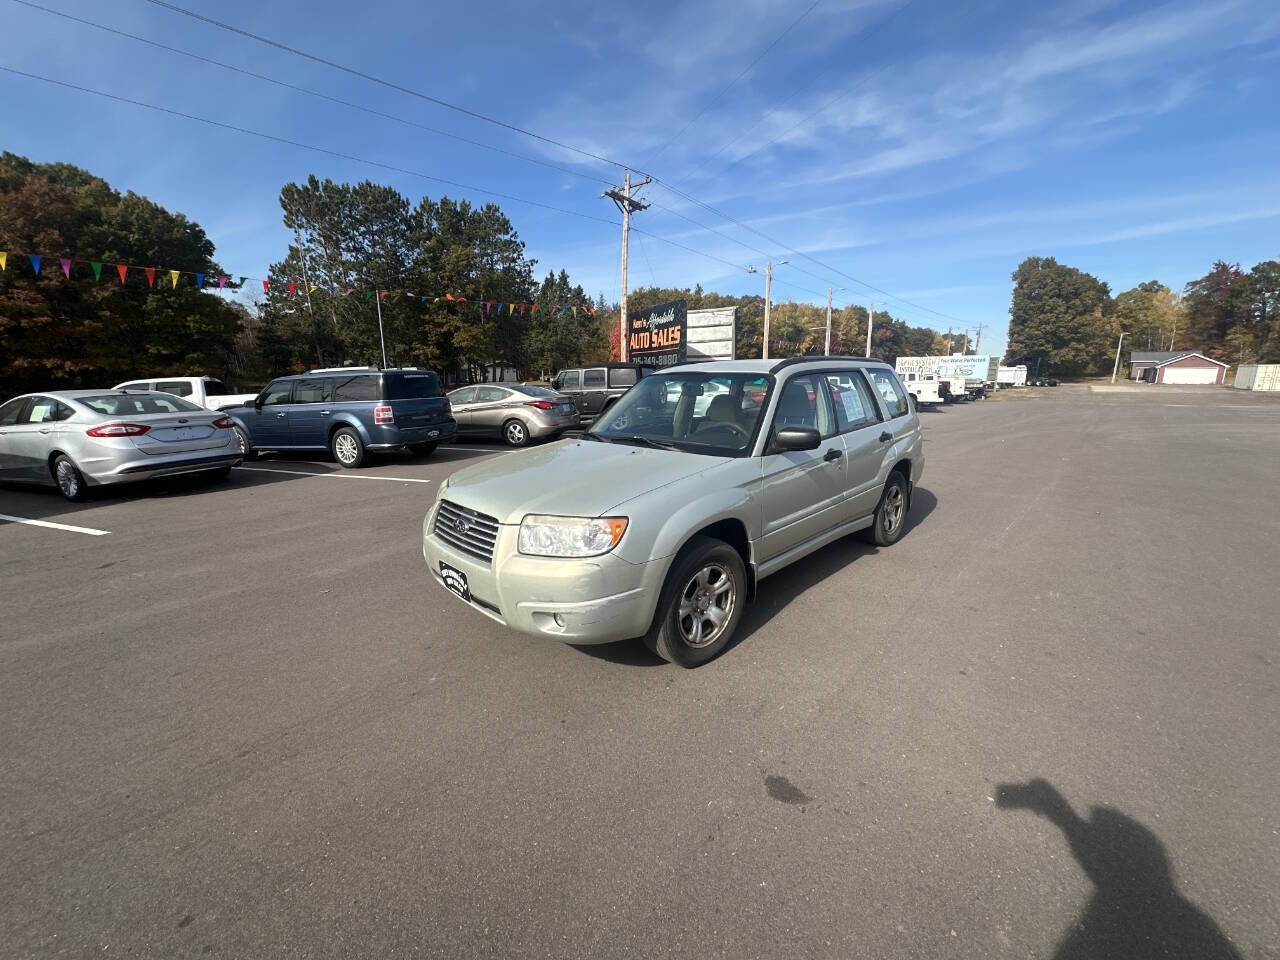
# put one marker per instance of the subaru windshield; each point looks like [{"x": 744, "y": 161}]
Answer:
[{"x": 716, "y": 414}]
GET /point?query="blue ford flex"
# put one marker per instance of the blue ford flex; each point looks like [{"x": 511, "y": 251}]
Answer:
[{"x": 348, "y": 411}]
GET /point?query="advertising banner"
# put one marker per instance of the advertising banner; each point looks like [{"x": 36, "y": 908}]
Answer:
[{"x": 657, "y": 335}]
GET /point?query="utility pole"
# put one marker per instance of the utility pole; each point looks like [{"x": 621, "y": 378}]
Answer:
[
  {"x": 948, "y": 341},
  {"x": 1116, "y": 367},
  {"x": 306, "y": 285},
  {"x": 871, "y": 312},
  {"x": 377, "y": 300},
  {"x": 826, "y": 344},
  {"x": 628, "y": 205},
  {"x": 977, "y": 341}
]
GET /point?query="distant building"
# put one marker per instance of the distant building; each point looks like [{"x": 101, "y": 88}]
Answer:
[{"x": 1177, "y": 366}]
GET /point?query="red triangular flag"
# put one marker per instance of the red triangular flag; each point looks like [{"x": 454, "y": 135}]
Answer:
[
  {"x": 66, "y": 266},
  {"x": 266, "y": 285},
  {"x": 122, "y": 269},
  {"x": 382, "y": 294},
  {"x": 151, "y": 275},
  {"x": 292, "y": 288}
]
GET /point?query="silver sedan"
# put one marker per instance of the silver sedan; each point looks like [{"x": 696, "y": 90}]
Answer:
[
  {"x": 514, "y": 412},
  {"x": 77, "y": 439}
]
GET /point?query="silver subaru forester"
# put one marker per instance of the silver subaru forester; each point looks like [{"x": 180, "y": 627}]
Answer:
[{"x": 659, "y": 522}]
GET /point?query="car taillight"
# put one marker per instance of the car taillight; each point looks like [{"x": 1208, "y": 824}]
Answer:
[
  {"x": 540, "y": 404},
  {"x": 383, "y": 415},
  {"x": 223, "y": 423},
  {"x": 118, "y": 430}
]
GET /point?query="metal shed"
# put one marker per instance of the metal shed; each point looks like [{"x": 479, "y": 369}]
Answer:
[{"x": 1258, "y": 376}]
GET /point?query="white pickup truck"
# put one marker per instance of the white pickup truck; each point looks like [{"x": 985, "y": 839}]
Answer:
[
  {"x": 210, "y": 392},
  {"x": 925, "y": 387}
]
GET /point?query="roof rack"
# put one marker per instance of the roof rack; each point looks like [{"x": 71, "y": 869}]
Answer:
[
  {"x": 341, "y": 369},
  {"x": 792, "y": 361}
]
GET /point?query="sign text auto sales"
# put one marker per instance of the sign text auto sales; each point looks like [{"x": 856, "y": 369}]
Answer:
[{"x": 656, "y": 335}]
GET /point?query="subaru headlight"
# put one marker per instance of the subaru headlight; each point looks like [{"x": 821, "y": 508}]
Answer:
[{"x": 542, "y": 536}]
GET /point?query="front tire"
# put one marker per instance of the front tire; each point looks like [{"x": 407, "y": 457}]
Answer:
[
  {"x": 891, "y": 514},
  {"x": 701, "y": 604},
  {"x": 246, "y": 447},
  {"x": 69, "y": 479},
  {"x": 515, "y": 433},
  {"x": 347, "y": 448}
]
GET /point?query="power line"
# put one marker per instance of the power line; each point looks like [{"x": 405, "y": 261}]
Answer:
[
  {"x": 165, "y": 4},
  {"x": 173, "y": 7},
  {"x": 749, "y": 67},
  {"x": 309, "y": 92}
]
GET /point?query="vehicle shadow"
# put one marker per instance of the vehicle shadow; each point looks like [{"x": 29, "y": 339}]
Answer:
[
  {"x": 778, "y": 591},
  {"x": 1136, "y": 912}
]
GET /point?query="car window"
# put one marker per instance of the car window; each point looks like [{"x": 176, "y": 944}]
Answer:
[
  {"x": 886, "y": 384},
  {"x": 277, "y": 393},
  {"x": 804, "y": 403},
  {"x": 353, "y": 389},
  {"x": 622, "y": 377},
  {"x": 465, "y": 395},
  {"x": 42, "y": 410},
  {"x": 10, "y": 411},
  {"x": 214, "y": 388},
  {"x": 592, "y": 379},
  {"x": 531, "y": 391},
  {"x": 852, "y": 400},
  {"x": 412, "y": 386},
  {"x": 127, "y": 404},
  {"x": 179, "y": 388},
  {"x": 313, "y": 391},
  {"x": 490, "y": 395},
  {"x": 569, "y": 380},
  {"x": 691, "y": 411}
]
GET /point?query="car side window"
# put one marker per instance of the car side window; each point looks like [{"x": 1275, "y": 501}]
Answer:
[
  {"x": 569, "y": 380},
  {"x": 136, "y": 385},
  {"x": 465, "y": 395},
  {"x": 592, "y": 379},
  {"x": 179, "y": 388},
  {"x": 41, "y": 410},
  {"x": 10, "y": 411},
  {"x": 490, "y": 395},
  {"x": 895, "y": 398},
  {"x": 277, "y": 393},
  {"x": 356, "y": 388},
  {"x": 313, "y": 391},
  {"x": 804, "y": 403},
  {"x": 622, "y": 377},
  {"x": 215, "y": 388},
  {"x": 851, "y": 397}
]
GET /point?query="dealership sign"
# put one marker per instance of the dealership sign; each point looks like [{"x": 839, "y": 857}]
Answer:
[{"x": 656, "y": 335}]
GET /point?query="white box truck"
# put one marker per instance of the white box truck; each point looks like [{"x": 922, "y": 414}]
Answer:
[
  {"x": 1012, "y": 376},
  {"x": 920, "y": 376},
  {"x": 1258, "y": 376},
  {"x": 978, "y": 373}
]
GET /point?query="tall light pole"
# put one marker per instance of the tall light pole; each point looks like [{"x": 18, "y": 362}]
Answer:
[
  {"x": 377, "y": 301},
  {"x": 871, "y": 312},
  {"x": 1116, "y": 367},
  {"x": 826, "y": 347}
]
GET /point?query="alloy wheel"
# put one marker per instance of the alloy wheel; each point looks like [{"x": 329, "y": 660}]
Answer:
[
  {"x": 706, "y": 606},
  {"x": 68, "y": 482},
  {"x": 894, "y": 509},
  {"x": 515, "y": 433},
  {"x": 344, "y": 448}
]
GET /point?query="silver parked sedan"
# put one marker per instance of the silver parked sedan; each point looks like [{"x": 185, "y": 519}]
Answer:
[
  {"x": 514, "y": 412},
  {"x": 76, "y": 439}
]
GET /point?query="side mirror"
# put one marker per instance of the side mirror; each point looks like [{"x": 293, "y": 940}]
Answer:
[
  {"x": 257, "y": 402},
  {"x": 911, "y": 402},
  {"x": 797, "y": 438}
]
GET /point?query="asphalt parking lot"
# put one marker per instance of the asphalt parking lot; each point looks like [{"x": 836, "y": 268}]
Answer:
[{"x": 242, "y": 720}]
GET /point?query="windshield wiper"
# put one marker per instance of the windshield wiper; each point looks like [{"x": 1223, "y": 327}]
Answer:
[
  {"x": 596, "y": 437},
  {"x": 645, "y": 442}
]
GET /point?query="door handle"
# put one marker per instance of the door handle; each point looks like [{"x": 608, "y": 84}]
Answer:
[
  {"x": 280, "y": 415},
  {"x": 325, "y": 413},
  {"x": 886, "y": 437},
  {"x": 45, "y": 430},
  {"x": 833, "y": 454}
]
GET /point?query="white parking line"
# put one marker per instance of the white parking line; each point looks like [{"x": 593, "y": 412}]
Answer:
[
  {"x": 454, "y": 446},
  {"x": 341, "y": 476},
  {"x": 55, "y": 526}
]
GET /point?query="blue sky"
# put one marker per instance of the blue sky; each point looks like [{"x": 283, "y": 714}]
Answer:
[{"x": 924, "y": 148}]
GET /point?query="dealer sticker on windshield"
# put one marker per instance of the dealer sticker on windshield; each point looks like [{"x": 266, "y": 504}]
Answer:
[{"x": 455, "y": 580}]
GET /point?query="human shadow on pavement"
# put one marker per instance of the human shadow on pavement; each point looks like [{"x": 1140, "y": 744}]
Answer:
[{"x": 1136, "y": 912}]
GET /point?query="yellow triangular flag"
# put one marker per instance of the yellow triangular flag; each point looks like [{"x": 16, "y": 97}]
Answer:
[
  {"x": 314, "y": 288},
  {"x": 173, "y": 277},
  {"x": 4, "y": 260}
]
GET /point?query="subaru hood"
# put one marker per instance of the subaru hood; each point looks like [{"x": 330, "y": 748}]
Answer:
[{"x": 575, "y": 478}]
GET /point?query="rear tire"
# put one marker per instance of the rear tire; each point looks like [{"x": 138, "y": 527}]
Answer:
[
  {"x": 891, "y": 513},
  {"x": 347, "y": 448},
  {"x": 69, "y": 479},
  {"x": 515, "y": 433},
  {"x": 246, "y": 447},
  {"x": 701, "y": 603}
]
